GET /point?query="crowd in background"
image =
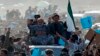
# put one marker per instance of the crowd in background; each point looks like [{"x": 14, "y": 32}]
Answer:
[
  {"x": 13, "y": 14},
  {"x": 45, "y": 33}
]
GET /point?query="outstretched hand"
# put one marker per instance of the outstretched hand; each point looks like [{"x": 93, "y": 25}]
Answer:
[{"x": 58, "y": 35}]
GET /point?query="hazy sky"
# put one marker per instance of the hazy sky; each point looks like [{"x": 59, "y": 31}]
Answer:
[
  {"x": 61, "y": 3},
  {"x": 23, "y": 4}
]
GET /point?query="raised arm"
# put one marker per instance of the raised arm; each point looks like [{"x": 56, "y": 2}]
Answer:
[{"x": 57, "y": 34}]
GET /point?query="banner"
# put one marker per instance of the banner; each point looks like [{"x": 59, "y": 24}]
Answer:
[
  {"x": 90, "y": 34},
  {"x": 86, "y": 22}
]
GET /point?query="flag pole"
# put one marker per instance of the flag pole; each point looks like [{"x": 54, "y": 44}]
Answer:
[{"x": 91, "y": 40}]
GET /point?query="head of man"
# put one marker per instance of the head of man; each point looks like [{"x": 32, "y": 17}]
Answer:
[
  {"x": 49, "y": 52},
  {"x": 3, "y": 52},
  {"x": 40, "y": 21},
  {"x": 56, "y": 17},
  {"x": 77, "y": 53},
  {"x": 64, "y": 52}
]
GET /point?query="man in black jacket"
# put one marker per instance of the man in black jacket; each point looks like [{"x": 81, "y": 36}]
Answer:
[{"x": 56, "y": 27}]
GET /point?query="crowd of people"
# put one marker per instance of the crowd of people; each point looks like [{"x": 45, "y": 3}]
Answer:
[
  {"x": 13, "y": 14},
  {"x": 93, "y": 51},
  {"x": 45, "y": 33},
  {"x": 45, "y": 12}
]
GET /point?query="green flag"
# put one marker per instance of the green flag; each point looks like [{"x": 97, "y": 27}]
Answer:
[{"x": 70, "y": 19}]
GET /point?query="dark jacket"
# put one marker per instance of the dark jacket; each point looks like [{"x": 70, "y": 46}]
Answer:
[{"x": 56, "y": 27}]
